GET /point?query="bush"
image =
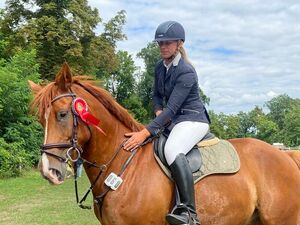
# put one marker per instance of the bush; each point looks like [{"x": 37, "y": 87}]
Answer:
[
  {"x": 20, "y": 133},
  {"x": 13, "y": 160}
]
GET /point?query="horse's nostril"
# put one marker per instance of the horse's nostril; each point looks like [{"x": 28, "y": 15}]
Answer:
[{"x": 57, "y": 173}]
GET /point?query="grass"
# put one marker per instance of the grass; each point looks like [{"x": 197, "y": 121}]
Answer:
[{"x": 32, "y": 200}]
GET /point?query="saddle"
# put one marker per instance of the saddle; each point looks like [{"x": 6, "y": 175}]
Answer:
[{"x": 209, "y": 156}]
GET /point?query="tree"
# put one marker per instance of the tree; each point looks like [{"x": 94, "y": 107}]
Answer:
[
  {"x": 21, "y": 135},
  {"x": 62, "y": 30},
  {"x": 113, "y": 28},
  {"x": 278, "y": 107},
  {"x": 246, "y": 125},
  {"x": 217, "y": 125},
  {"x": 121, "y": 83},
  {"x": 135, "y": 107},
  {"x": 267, "y": 130},
  {"x": 205, "y": 99},
  {"x": 291, "y": 127},
  {"x": 151, "y": 56},
  {"x": 231, "y": 126}
]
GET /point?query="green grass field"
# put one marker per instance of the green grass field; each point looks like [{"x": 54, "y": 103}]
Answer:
[{"x": 32, "y": 200}]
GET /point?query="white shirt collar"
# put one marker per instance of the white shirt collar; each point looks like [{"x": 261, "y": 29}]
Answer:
[{"x": 174, "y": 62}]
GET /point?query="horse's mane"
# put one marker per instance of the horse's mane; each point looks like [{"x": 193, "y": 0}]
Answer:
[{"x": 43, "y": 98}]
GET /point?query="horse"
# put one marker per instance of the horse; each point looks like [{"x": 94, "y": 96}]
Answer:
[
  {"x": 265, "y": 191},
  {"x": 295, "y": 155}
]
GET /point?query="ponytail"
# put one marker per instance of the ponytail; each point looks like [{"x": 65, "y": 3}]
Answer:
[{"x": 184, "y": 56}]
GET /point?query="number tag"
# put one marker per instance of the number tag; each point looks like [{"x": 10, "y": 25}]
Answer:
[{"x": 113, "y": 181}]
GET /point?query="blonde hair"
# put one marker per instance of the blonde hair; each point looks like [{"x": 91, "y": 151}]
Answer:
[{"x": 184, "y": 54}]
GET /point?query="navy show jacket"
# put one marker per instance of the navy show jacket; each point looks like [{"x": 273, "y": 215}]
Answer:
[{"x": 176, "y": 92}]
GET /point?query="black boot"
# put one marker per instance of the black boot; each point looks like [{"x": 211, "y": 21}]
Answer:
[{"x": 185, "y": 213}]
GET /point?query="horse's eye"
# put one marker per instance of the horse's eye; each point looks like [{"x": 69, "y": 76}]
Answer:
[{"x": 62, "y": 115}]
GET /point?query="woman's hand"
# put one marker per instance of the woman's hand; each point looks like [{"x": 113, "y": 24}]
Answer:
[
  {"x": 158, "y": 112},
  {"x": 135, "y": 139}
]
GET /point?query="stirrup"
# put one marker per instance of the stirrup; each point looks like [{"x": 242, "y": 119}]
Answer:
[{"x": 181, "y": 215}]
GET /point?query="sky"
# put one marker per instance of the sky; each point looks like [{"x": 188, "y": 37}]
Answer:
[{"x": 245, "y": 52}]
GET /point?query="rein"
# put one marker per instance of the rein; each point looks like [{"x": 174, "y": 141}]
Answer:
[{"x": 74, "y": 146}]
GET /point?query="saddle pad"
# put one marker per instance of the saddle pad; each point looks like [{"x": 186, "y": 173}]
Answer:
[{"x": 216, "y": 159}]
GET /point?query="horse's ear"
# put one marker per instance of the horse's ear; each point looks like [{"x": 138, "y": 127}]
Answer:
[
  {"x": 35, "y": 88},
  {"x": 64, "y": 77}
]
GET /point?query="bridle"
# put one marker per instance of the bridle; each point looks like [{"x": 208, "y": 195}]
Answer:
[{"x": 73, "y": 145}]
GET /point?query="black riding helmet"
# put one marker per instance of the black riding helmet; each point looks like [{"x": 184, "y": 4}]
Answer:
[{"x": 169, "y": 31}]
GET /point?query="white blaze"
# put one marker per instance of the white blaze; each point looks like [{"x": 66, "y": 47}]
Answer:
[{"x": 45, "y": 161}]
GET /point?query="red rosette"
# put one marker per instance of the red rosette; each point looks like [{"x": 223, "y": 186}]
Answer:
[{"x": 80, "y": 108}]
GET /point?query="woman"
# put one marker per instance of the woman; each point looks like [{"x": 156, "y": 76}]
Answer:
[{"x": 176, "y": 99}]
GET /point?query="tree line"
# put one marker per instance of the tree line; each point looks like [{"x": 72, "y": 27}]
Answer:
[{"x": 37, "y": 36}]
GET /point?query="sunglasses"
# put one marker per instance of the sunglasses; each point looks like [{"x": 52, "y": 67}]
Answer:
[{"x": 161, "y": 43}]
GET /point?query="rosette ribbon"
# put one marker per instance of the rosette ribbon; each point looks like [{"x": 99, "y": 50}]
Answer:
[{"x": 80, "y": 108}]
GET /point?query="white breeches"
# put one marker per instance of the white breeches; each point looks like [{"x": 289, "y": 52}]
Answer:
[{"x": 183, "y": 137}]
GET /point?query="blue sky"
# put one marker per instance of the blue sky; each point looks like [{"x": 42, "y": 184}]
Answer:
[{"x": 245, "y": 51}]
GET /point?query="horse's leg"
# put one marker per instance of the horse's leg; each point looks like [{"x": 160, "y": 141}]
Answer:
[
  {"x": 279, "y": 201},
  {"x": 281, "y": 205},
  {"x": 283, "y": 217}
]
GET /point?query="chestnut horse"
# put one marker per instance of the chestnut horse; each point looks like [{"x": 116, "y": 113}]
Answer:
[
  {"x": 266, "y": 189},
  {"x": 295, "y": 155}
]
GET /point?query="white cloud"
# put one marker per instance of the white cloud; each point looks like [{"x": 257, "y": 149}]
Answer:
[{"x": 245, "y": 51}]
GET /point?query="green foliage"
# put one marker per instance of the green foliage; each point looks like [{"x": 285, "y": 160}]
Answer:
[
  {"x": 205, "y": 99},
  {"x": 135, "y": 107},
  {"x": 252, "y": 124},
  {"x": 217, "y": 125},
  {"x": 267, "y": 130},
  {"x": 278, "y": 107},
  {"x": 122, "y": 82},
  {"x": 12, "y": 159},
  {"x": 151, "y": 56},
  {"x": 113, "y": 28},
  {"x": 28, "y": 132},
  {"x": 21, "y": 134},
  {"x": 61, "y": 31},
  {"x": 226, "y": 126},
  {"x": 291, "y": 127},
  {"x": 14, "y": 92}
]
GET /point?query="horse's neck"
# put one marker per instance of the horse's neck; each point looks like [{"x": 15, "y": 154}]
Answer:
[
  {"x": 141, "y": 178},
  {"x": 102, "y": 148}
]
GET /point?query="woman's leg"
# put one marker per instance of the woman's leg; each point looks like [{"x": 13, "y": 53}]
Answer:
[
  {"x": 181, "y": 140},
  {"x": 183, "y": 137}
]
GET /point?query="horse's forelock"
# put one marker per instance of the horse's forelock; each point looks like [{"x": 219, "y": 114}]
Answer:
[{"x": 42, "y": 99}]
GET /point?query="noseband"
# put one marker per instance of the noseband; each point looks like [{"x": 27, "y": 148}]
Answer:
[{"x": 73, "y": 145}]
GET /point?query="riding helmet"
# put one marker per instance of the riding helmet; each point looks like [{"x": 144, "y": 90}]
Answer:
[{"x": 170, "y": 31}]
